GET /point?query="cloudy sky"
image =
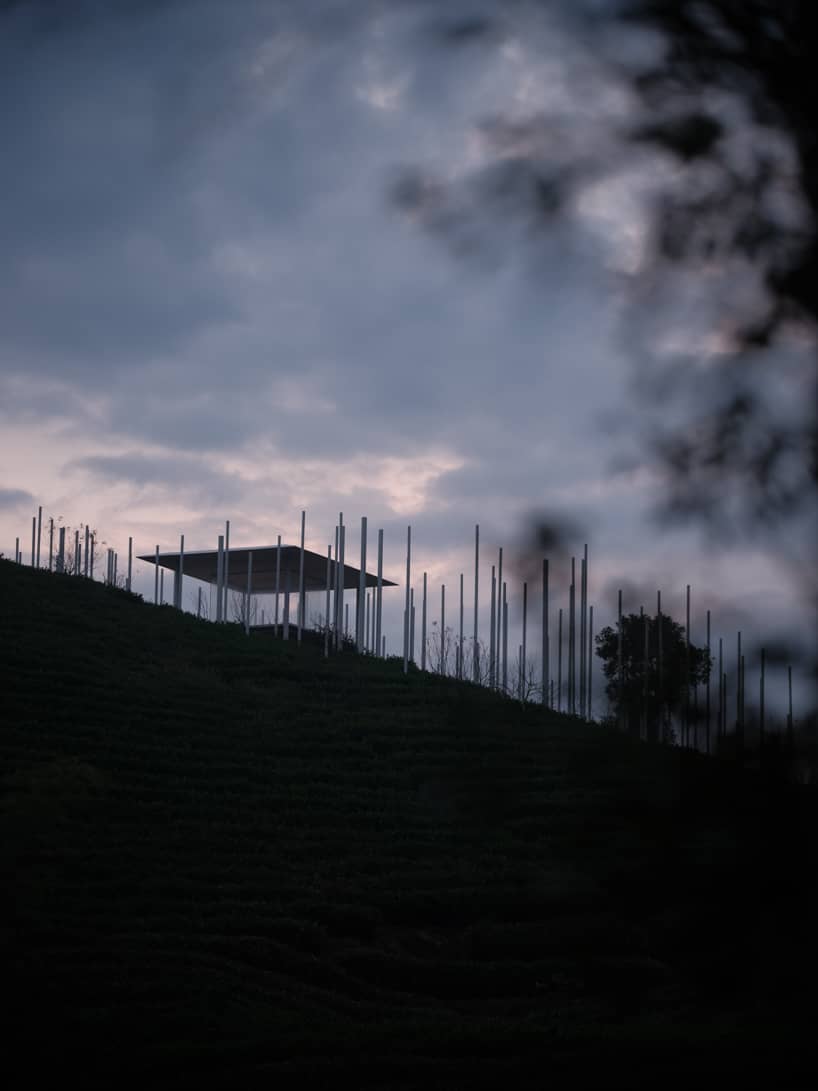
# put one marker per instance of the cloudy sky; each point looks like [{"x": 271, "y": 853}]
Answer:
[{"x": 214, "y": 302}]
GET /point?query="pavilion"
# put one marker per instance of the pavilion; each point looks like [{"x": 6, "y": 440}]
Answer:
[{"x": 274, "y": 569}]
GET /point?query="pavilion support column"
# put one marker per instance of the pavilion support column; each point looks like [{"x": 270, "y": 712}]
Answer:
[
  {"x": 278, "y": 580},
  {"x": 379, "y": 602},
  {"x": 226, "y": 571},
  {"x": 219, "y": 575},
  {"x": 249, "y": 593},
  {"x": 179, "y": 575},
  {"x": 301, "y": 579}
]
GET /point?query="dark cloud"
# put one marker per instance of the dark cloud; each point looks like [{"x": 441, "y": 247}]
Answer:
[{"x": 13, "y": 499}]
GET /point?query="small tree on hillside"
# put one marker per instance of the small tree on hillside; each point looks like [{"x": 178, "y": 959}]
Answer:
[{"x": 642, "y": 697}]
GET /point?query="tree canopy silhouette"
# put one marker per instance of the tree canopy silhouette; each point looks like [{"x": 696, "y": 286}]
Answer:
[{"x": 652, "y": 690}]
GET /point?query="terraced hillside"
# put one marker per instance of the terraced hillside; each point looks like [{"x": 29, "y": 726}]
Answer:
[{"x": 228, "y": 859}]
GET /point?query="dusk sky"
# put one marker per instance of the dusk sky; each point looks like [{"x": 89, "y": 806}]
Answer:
[{"x": 213, "y": 306}]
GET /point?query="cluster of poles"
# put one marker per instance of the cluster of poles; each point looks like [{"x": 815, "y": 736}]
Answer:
[
  {"x": 79, "y": 561},
  {"x": 570, "y": 691}
]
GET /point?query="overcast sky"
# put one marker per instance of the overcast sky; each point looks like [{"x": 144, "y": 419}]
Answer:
[{"x": 212, "y": 305}]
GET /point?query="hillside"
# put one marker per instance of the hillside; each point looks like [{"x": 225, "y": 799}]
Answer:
[{"x": 229, "y": 858}]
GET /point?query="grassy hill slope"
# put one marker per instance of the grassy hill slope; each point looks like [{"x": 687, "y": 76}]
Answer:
[{"x": 229, "y": 858}]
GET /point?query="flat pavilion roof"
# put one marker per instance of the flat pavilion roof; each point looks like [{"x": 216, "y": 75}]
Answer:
[{"x": 202, "y": 565}]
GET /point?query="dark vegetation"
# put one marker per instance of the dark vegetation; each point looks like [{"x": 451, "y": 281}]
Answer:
[{"x": 225, "y": 857}]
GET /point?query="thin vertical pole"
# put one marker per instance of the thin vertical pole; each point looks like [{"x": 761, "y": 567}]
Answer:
[
  {"x": 545, "y": 639},
  {"x": 39, "y": 532},
  {"x": 559, "y": 663},
  {"x": 199, "y": 605},
  {"x": 493, "y": 630},
  {"x": 61, "y": 551},
  {"x": 326, "y": 618},
  {"x": 162, "y": 587},
  {"x": 76, "y": 552},
  {"x": 226, "y": 571},
  {"x": 115, "y": 560},
  {"x": 572, "y": 629},
  {"x": 359, "y": 621},
  {"x": 278, "y": 580},
  {"x": 644, "y": 732},
  {"x": 379, "y": 604},
  {"x": 761, "y": 724},
  {"x": 219, "y": 576},
  {"x": 87, "y": 534},
  {"x": 476, "y": 656},
  {"x": 51, "y": 544},
  {"x": 443, "y": 628},
  {"x": 367, "y": 642},
  {"x": 505, "y": 640},
  {"x": 93, "y": 543},
  {"x": 739, "y": 725},
  {"x": 180, "y": 575},
  {"x": 412, "y": 625},
  {"x": 660, "y": 696},
  {"x": 523, "y": 646},
  {"x": 499, "y": 611},
  {"x": 300, "y": 615},
  {"x": 619, "y": 665},
  {"x": 383, "y": 647},
  {"x": 423, "y": 627},
  {"x": 406, "y": 606},
  {"x": 687, "y": 669},
  {"x": 16, "y": 550},
  {"x": 583, "y": 628},
  {"x": 346, "y": 620},
  {"x": 590, "y": 707},
  {"x": 339, "y": 583},
  {"x": 286, "y": 626},
  {"x": 33, "y": 541},
  {"x": 249, "y": 592},
  {"x": 79, "y": 558},
  {"x": 343, "y": 606},
  {"x": 130, "y": 560},
  {"x": 721, "y": 728},
  {"x": 707, "y": 693},
  {"x": 460, "y": 655}
]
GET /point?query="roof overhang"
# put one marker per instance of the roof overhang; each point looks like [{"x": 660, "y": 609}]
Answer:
[{"x": 203, "y": 565}]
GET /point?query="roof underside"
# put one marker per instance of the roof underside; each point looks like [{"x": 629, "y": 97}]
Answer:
[{"x": 203, "y": 565}]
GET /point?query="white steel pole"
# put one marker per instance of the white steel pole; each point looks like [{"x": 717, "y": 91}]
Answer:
[
  {"x": 460, "y": 650},
  {"x": 301, "y": 580},
  {"x": 219, "y": 575},
  {"x": 87, "y": 536},
  {"x": 492, "y": 631},
  {"x": 115, "y": 558},
  {"x": 39, "y": 532},
  {"x": 406, "y": 607},
  {"x": 286, "y": 627},
  {"x": 199, "y": 605},
  {"x": 61, "y": 551},
  {"x": 545, "y": 639},
  {"x": 249, "y": 592},
  {"x": 278, "y": 580},
  {"x": 50, "y": 544},
  {"x": 583, "y": 630},
  {"x": 359, "y": 622},
  {"x": 162, "y": 587},
  {"x": 367, "y": 642},
  {"x": 76, "y": 553},
  {"x": 412, "y": 625},
  {"x": 226, "y": 572},
  {"x": 33, "y": 541},
  {"x": 505, "y": 641},
  {"x": 443, "y": 628},
  {"x": 130, "y": 561},
  {"x": 476, "y": 657},
  {"x": 379, "y": 606},
  {"x": 93, "y": 544},
  {"x": 590, "y": 709},
  {"x": 181, "y": 573},
  {"x": 343, "y": 606},
  {"x": 346, "y": 620},
  {"x": 423, "y": 627},
  {"x": 499, "y": 611},
  {"x": 326, "y": 618},
  {"x": 523, "y": 646},
  {"x": 16, "y": 550},
  {"x": 340, "y": 579}
]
